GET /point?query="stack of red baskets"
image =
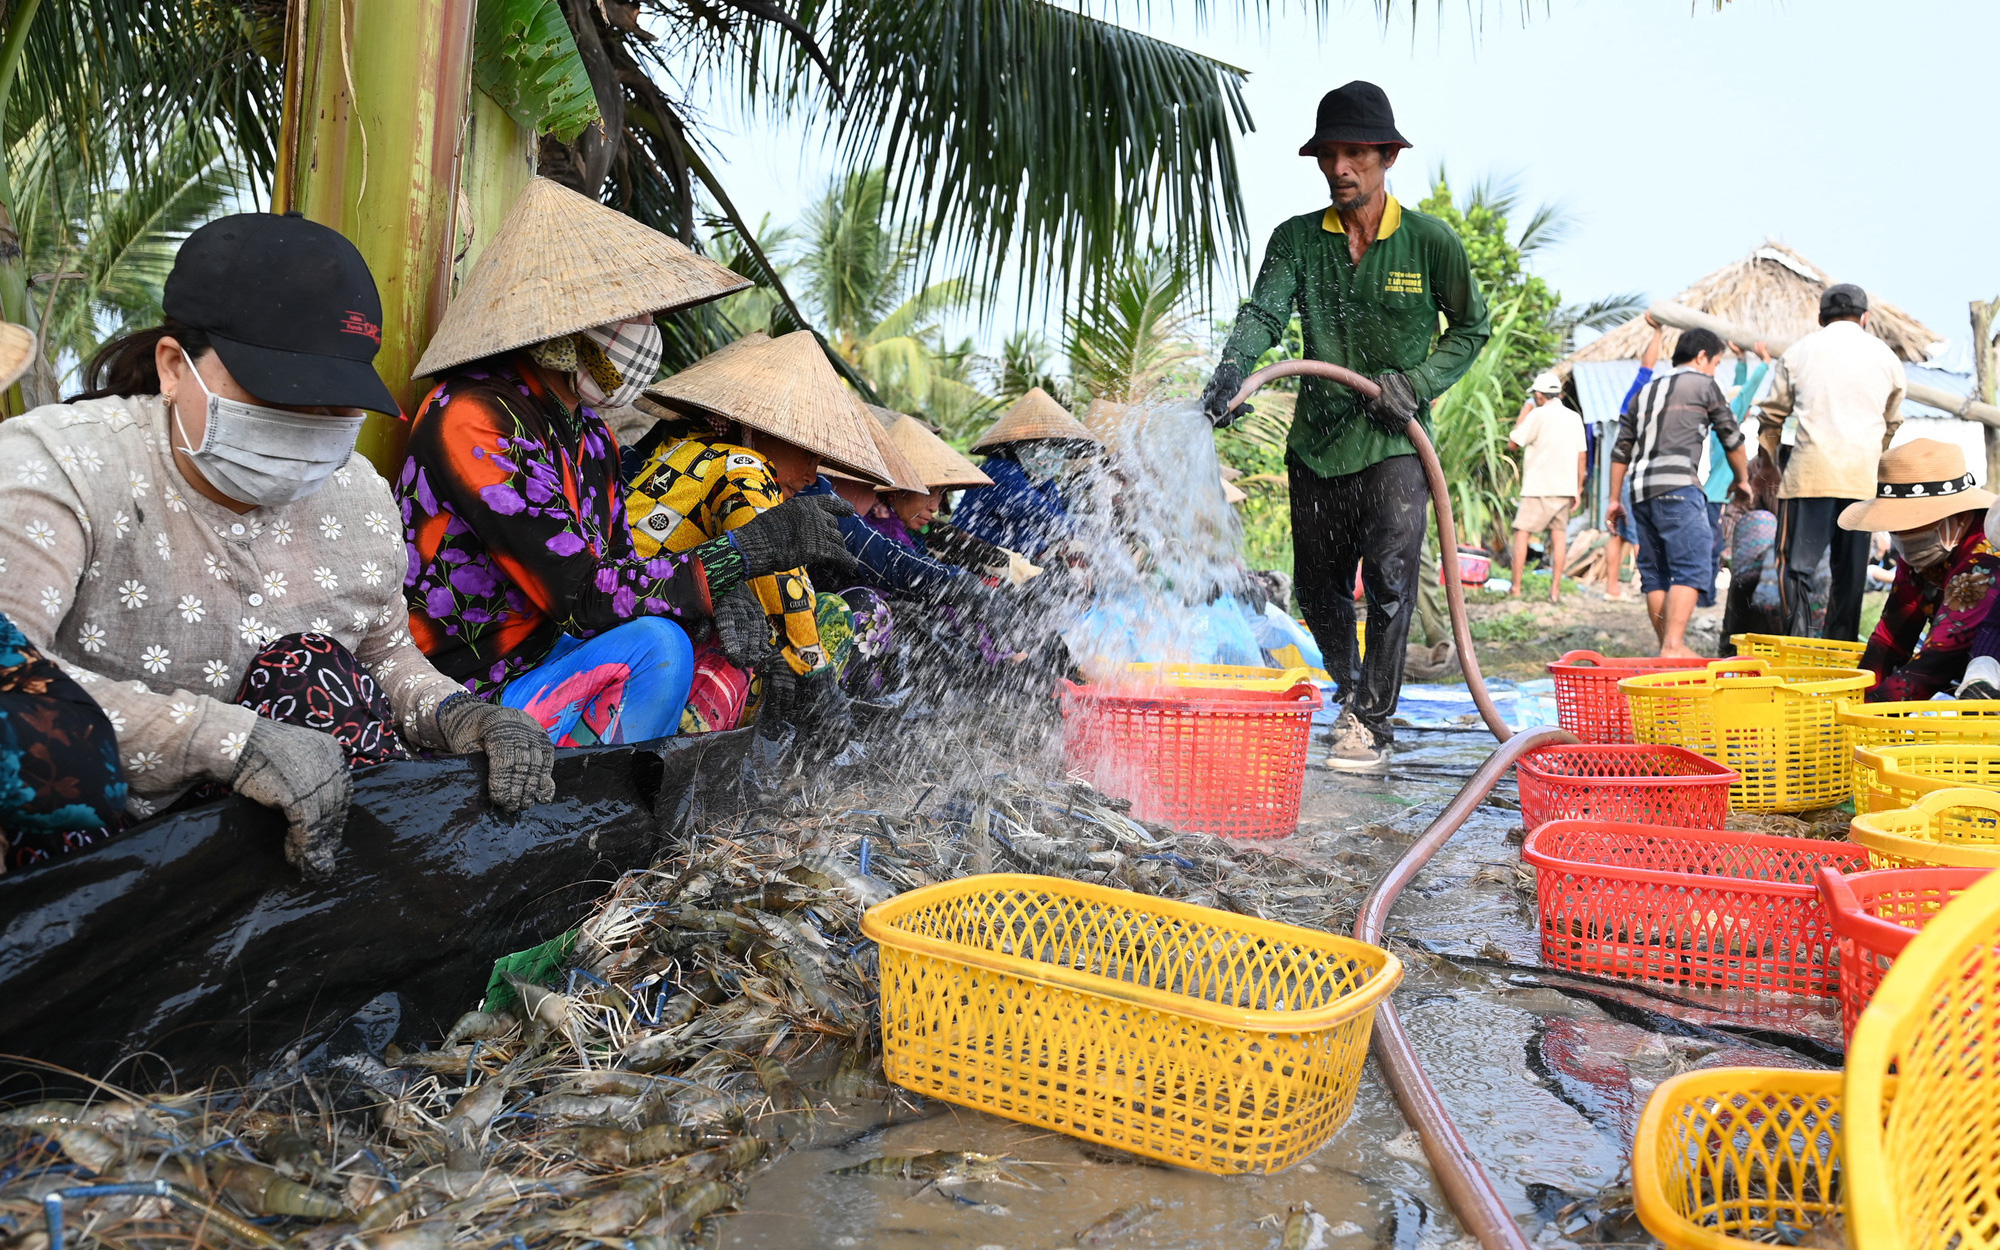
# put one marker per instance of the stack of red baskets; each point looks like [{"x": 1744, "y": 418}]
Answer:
[
  {"x": 1875, "y": 914},
  {"x": 1211, "y": 759},
  {"x": 1588, "y": 701},
  {"x": 1633, "y": 784},
  {"x": 1698, "y": 907}
]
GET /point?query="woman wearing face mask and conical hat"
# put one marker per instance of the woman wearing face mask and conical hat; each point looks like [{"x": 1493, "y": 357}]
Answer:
[
  {"x": 1027, "y": 450},
  {"x": 1940, "y": 611},
  {"x": 524, "y": 582},
  {"x": 194, "y": 541}
]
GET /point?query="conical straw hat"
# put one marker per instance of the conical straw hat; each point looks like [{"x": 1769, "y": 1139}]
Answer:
[
  {"x": 938, "y": 464},
  {"x": 1034, "y": 415},
  {"x": 785, "y": 388},
  {"x": 560, "y": 263},
  {"x": 902, "y": 474},
  {"x": 17, "y": 352}
]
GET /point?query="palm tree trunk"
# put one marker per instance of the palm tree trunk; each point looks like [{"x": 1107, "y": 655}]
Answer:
[{"x": 376, "y": 97}]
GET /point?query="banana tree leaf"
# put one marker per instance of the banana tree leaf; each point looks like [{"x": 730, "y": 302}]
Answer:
[{"x": 525, "y": 57}]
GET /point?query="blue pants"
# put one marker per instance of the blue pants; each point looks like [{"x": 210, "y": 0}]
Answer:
[
  {"x": 1675, "y": 544},
  {"x": 628, "y": 684}
]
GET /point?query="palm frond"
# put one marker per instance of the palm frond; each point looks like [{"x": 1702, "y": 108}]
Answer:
[
  {"x": 1602, "y": 313},
  {"x": 1547, "y": 226},
  {"x": 1024, "y": 132},
  {"x": 145, "y": 67}
]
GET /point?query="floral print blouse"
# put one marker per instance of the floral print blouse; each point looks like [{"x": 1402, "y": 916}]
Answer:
[
  {"x": 515, "y": 521},
  {"x": 1924, "y": 640}
]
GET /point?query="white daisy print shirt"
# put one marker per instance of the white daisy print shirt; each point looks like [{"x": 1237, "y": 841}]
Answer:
[{"x": 155, "y": 598}]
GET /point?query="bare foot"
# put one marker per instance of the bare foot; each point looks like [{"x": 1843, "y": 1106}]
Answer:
[
  {"x": 1678, "y": 652},
  {"x": 1554, "y": 597},
  {"x": 1514, "y": 594}
]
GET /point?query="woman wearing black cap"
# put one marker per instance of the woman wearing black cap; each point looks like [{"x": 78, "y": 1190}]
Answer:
[{"x": 194, "y": 541}]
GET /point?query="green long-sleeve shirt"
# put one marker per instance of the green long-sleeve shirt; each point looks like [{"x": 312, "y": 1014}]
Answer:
[{"x": 1375, "y": 317}]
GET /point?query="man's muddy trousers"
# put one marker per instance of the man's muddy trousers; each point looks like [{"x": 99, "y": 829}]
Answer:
[{"x": 1376, "y": 519}]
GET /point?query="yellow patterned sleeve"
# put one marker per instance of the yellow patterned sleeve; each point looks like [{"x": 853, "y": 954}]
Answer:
[{"x": 747, "y": 489}]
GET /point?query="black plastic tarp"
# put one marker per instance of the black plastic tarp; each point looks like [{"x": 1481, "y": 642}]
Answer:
[{"x": 188, "y": 944}]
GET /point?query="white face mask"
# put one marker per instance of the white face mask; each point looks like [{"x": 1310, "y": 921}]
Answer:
[
  {"x": 631, "y": 357},
  {"x": 1923, "y": 550},
  {"x": 266, "y": 456}
]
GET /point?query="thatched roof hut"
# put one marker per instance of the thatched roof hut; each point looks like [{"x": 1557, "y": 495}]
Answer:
[{"x": 1773, "y": 291}]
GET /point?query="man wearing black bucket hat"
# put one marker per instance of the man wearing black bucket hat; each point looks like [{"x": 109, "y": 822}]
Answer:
[{"x": 1368, "y": 279}]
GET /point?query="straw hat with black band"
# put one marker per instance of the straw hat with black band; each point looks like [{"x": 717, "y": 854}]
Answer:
[
  {"x": 1035, "y": 415},
  {"x": 562, "y": 263},
  {"x": 1918, "y": 483},
  {"x": 783, "y": 387}
]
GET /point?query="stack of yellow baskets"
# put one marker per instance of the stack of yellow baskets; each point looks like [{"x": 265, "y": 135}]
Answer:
[
  {"x": 1779, "y": 727},
  {"x": 1742, "y": 1156},
  {"x": 1730, "y": 1156}
]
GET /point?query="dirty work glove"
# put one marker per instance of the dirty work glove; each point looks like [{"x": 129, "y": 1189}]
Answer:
[
  {"x": 742, "y": 628},
  {"x": 803, "y": 530},
  {"x": 1222, "y": 387},
  {"x": 1392, "y": 410},
  {"x": 520, "y": 759},
  {"x": 303, "y": 773}
]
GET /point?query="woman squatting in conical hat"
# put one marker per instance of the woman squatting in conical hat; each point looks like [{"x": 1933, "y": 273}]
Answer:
[
  {"x": 195, "y": 542},
  {"x": 745, "y": 429},
  {"x": 1028, "y": 450},
  {"x": 1938, "y": 631},
  {"x": 951, "y": 623},
  {"x": 524, "y": 583}
]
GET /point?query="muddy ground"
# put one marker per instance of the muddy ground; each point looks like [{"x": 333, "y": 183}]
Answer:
[{"x": 1544, "y": 1073}]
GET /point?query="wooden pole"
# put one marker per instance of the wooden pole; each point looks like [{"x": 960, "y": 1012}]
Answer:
[
  {"x": 376, "y": 95},
  {"x": 1682, "y": 317},
  {"x": 1984, "y": 382}
]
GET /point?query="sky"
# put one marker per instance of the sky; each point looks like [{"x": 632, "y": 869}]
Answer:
[{"x": 1677, "y": 136}]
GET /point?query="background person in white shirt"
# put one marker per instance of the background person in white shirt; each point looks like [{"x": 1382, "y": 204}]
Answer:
[
  {"x": 1846, "y": 388},
  {"x": 1549, "y": 436}
]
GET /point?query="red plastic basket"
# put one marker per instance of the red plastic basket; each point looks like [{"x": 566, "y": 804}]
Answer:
[
  {"x": 1588, "y": 701},
  {"x": 1875, "y": 914},
  {"x": 1230, "y": 762},
  {"x": 1640, "y": 785},
  {"x": 1700, "y": 907}
]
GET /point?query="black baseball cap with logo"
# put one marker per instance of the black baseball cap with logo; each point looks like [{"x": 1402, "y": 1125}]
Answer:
[{"x": 290, "y": 307}]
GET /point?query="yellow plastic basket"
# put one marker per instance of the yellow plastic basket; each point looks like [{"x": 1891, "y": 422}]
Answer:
[
  {"x": 1777, "y": 727},
  {"x": 1924, "y": 1167},
  {"x": 1726, "y": 1153},
  {"x": 1959, "y": 722},
  {"x": 1222, "y": 676},
  {"x": 1892, "y": 778},
  {"x": 1799, "y": 652},
  {"x": 1203, "y": 1038},
  {"x": 1952, "y": 828}
]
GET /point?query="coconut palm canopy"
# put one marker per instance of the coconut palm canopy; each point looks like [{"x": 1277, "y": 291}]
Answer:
[{"x": 1773, "y": 291}]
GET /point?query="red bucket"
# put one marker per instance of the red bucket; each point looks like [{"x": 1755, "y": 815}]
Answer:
[
  {"x": 1230, "y": 762},
  {"x": 1875, "y": 914},
  {"x": 1588, "y": 701},
  {"x": 1640, "y": 785}
]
